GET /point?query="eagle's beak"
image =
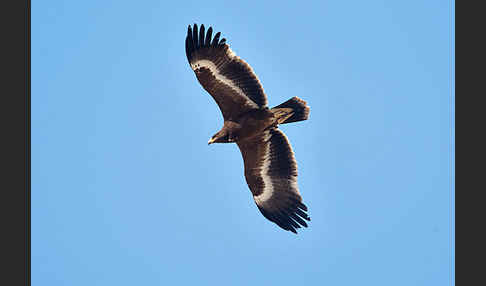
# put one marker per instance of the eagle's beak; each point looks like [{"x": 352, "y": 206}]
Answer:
[{"x": 211, "y": 141}]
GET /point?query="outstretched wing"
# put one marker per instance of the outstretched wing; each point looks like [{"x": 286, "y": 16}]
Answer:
[
  {"x": 230, "y": 81},
  {"x": 271, "y": 174}
]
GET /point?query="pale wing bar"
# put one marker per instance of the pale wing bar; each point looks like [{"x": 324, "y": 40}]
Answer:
[{"x": 229, "y": 79}]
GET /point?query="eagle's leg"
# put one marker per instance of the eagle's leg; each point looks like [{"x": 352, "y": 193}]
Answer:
[{"x": 282, "y": 114}]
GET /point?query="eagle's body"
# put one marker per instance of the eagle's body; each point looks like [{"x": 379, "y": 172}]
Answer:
[
  {"x": 247, "y": 125},
  {"x": 270, "y": 166}
]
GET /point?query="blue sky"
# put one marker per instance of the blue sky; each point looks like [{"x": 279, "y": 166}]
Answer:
[{"x": 126, "y": 191}]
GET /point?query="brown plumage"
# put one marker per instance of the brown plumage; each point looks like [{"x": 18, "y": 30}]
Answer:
[{"x": 270, "y": 166}]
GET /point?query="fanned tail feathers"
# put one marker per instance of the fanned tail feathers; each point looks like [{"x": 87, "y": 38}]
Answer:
[{"x": 293, "y": 110}]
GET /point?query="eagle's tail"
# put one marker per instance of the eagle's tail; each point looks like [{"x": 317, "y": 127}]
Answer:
[{"x": 293, "y": 110}]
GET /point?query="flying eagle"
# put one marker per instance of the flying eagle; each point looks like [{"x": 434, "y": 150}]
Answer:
[{"x": 270, "y": 166}]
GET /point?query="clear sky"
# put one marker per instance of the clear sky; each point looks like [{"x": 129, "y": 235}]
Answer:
[{"x": 126, "y": 191}]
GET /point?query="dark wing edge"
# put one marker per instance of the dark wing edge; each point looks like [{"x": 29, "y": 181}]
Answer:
[
  {"x": 271, "y": 174},
  {"x": 221, "y": 72}
]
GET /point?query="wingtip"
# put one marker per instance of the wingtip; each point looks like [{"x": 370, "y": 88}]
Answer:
[{"x": 200, "y": 37}]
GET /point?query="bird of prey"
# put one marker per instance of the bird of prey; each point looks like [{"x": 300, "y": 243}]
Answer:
[{"x": 270, "y": 166}]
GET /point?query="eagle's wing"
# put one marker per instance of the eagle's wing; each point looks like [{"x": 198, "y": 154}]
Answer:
[
  {"x": 230, "y": 81},
  {"x": 271, "y": 174}
]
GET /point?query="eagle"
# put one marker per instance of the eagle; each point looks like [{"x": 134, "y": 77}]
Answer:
[{"x": 270, "y": 166}]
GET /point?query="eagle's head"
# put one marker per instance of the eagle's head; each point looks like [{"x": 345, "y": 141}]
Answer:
[{"x": 222, "y": 136}]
